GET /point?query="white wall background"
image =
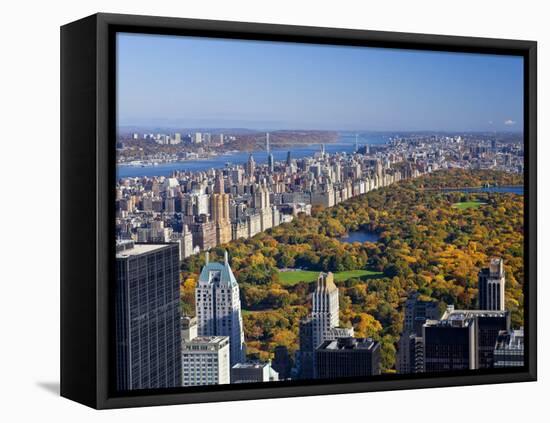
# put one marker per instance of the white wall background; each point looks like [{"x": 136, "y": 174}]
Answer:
[{"x": 29, "y": 166}]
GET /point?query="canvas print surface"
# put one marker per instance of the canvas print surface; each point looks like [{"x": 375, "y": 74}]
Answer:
[{"x": 296, "y": 212}]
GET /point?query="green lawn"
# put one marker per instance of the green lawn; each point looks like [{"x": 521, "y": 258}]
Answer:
[
  {"x": 293, "y": 277},
  {"x": 468, "y": 205},
  {"x": 246, "y": 312}
]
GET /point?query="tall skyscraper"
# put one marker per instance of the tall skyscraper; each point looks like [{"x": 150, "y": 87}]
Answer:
[
  {"x": 325, "y": 308},
  {"x": 219, "y": 185},
  {"x": 220, "y": 207},
  {"x": 307, "y": 350},
  {"x": 250, "y": 166},
  {"x": 147, "y": 316},
  {"x": 270, "y": 160},
  {"x": 347, "y": 357},
  {"x": 270, "y": 163},
  {"x": 417, "y": 312},
  {"x": 218, "y": 307},
  {"x": 321, "y": 325},
  {"x": 219, "y": 210},
  {"x": 261, "y": 199},
  {"x": 491, "y": 286}
]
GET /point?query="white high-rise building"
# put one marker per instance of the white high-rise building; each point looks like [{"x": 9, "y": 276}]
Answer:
[
  {"x": 205, "y": 361},
  {"x": 218, "y": 307},
  {"x": 325, "y": 308}
]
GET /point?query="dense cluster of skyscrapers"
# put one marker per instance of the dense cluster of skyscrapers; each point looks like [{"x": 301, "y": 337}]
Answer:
[
  {"x": 468, "y": 150},
  {"x": 461, "y": 339},
  {"x": 157, "y": 347},
  {"x": 200, "y": 210}
]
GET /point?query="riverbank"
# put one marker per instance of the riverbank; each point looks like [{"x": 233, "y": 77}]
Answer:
[
  {"x": 342, "y": 145},
  {"x": 511, "y": 189}
]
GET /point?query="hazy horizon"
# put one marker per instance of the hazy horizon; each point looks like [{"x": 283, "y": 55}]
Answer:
[{"x": 174, "y": 127}]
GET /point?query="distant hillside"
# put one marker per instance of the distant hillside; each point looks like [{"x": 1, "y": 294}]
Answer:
[
  {"x": 256, "y": 141},
  {"x": 140, "y": 149}
]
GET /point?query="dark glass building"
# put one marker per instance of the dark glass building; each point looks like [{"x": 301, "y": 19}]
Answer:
[
  {"x": 148, "y": 335},
  {"x": 449, "y": 345},
  {"x": 417, "y": 312},
  {"x": 282, "y": 362},
  {"x": 305, "y": 358},
  {"x": 489, "y": 326},
  {"x": 462, "y": 339},
  {"x": 347, "y": 357}
]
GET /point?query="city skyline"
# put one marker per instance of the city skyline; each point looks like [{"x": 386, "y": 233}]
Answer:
[
  {"x": 316, "y": 259},
  {"x": 174, "y": 81}
]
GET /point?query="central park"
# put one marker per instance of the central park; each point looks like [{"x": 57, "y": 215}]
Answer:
[{"x": 431, "y": 240}]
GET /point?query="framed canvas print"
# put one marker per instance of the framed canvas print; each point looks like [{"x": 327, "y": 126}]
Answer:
[{"x": 258, "y": 211}]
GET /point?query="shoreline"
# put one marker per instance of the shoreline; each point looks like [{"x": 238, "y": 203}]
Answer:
[
  {"x": 281, "y": 147},
  {"x": 470, "y": 187}
]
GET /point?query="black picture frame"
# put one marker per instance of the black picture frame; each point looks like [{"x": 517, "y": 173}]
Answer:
[{"x": 88, "y": 107}]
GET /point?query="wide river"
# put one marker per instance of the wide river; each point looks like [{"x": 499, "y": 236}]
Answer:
[{"x": 345, "y": 143}]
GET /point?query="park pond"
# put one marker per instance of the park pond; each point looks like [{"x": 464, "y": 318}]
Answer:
[{"x": 359, "y": 236}]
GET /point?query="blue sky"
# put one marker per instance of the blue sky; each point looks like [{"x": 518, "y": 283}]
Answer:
[{"x": 197, "y": 82}]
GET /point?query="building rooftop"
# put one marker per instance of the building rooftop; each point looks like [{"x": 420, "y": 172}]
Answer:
[
  {"x": 452, "y": 314},
  {"x": 250, "y": 365},
  {"x": 219, "y": 341},
  {"x": 463, "y": 318},
  {"x": 213, "y": 272},
  {"x": 129, "y": 248},
  {"x": 348, "y": 343},
  {"x": 325, "y": 281}
]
